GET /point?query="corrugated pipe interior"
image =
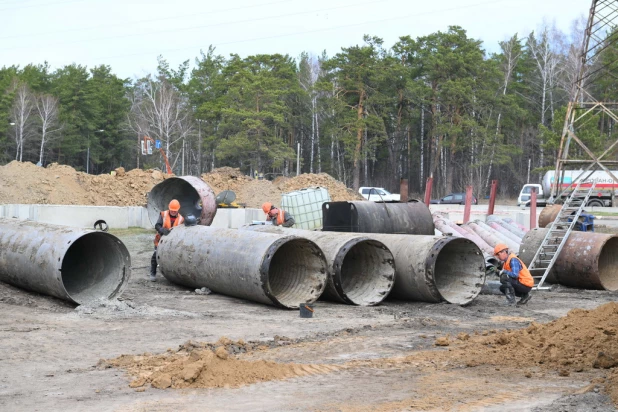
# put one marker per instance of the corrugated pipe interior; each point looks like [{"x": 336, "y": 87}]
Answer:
[
  {"x": 77, "y": 265},
  {"x": 433, "y": 269},
  {"x": 413, "y": 218},
  {"x": 284, "y": 271},
  {"x": 361, "y": 269},
  {"x": 195, "y": 196}
]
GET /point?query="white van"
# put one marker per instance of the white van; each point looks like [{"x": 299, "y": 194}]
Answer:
[{"x": 378, "y": 194}]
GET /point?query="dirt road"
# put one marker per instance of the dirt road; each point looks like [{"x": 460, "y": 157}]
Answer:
[{"x": 50, "y": 352}]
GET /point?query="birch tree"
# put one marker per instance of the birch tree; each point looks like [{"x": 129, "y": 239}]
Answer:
[
  {"x": 47, "y": 109},
  {"x": 21, "y": 112}
]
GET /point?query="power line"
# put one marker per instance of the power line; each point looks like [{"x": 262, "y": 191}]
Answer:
[
  {"x": 144, "y": 21},
  {"x": 150, "y": 33},
  {"x": 44, "y": 5}
]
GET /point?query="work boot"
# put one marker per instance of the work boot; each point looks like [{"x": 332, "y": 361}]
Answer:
[
  {"x": 510, "y": 296},
  {"x": 524, "y": 299},
  {"x": 153, "y": 276}
]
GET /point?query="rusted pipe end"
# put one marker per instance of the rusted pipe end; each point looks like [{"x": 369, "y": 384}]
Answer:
[
  {"x": 608, "y": 265},
  {"x": 195, "y": 196},
  {"x": 458, "y": 269},
  {"x": 96, "y": 266},
  {"x": 548, "y": 215},
  {"x": 294, "y": 271},
  {"x": 364, "y": 272}
]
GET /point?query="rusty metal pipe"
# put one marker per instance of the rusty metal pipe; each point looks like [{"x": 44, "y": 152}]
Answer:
[
  {"x": 412, "y": 218},
  {"x": 503, "y": 233},
  {"x": 195, "y": 196},
  {"x": 361, "y": 269},
  {"x": 77, "y": 265},
  {"x": 484, "y": 234},
  {"x": 284, "y": 271},
  {"x": 435, "y": 269},
  {"x": 517, "y": 225},
  {"x": 587, "y": 260},
  {"x": 451, "y": 227},
  {"x": 507, "y": 225},
  {"x": 548, "y": 215}
]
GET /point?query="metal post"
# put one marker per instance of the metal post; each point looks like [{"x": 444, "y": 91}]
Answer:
[
  {"x": 468, "y": 205},
  {"x": 88, "y": 158},
  {"x": 428, "y": 187},
  {"x": 533, "y": 208},
  {"x": 403, "y": 190},
  {"x": 298, "y": 159},
  {"x": 492, "y": 197}
]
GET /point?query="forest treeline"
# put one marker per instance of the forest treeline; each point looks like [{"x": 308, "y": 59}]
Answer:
[{"x": 369, "y": 115}]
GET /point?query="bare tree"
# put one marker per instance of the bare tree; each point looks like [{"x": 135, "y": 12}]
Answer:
[
  {"x": 21, "y": 111},
  {"x": 47, "y": 107},
  {"x": 161, "y": 112}
]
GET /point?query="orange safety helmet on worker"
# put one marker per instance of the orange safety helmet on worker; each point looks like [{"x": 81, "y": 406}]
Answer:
[
  {"x": 525, "y": 278},
  {"x": 268, "y": 207},
  {"x": 168, "y": 216}
]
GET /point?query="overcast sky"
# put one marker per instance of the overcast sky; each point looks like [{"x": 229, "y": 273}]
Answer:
[{"x": 128, "y": 35}]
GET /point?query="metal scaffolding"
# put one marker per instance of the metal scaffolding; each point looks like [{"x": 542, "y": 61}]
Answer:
[{"x": 598, "y": 60}]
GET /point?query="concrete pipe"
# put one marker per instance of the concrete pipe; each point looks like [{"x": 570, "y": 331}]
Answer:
[
  {"x": 284, "y": 271},
  {"x": 508, "y": 226},
  {"x": 195, "y": 196},
  {"x": 548, "y": 215},
  {"x": 77, "y": 265},
  {"x": 587, "y": 260},
  {"x": 412, "y": 218},
  {"x": 433, "y": 269},
  {"x": 361, "y": 269},
  {"x": 466, "y": 234},
  {"x": 446, "y": 230}
]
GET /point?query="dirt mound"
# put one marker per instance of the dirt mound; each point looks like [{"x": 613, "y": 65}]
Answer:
[
  {"x": 580, "y": 341},
  {"x": 204, "y": 365},
  {"x": 62, "y": 185},
  {"x": 252, "y": 193}
]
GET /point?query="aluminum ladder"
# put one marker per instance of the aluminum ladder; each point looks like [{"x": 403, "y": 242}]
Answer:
[{"x": 558, "y": 234}]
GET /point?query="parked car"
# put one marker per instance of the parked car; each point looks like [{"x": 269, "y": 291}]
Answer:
[
  {"x": 378, "y": 194},
  {"x": 453, "y": 199}
]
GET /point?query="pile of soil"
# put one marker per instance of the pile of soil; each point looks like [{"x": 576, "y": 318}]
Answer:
[
  {"x": 252, "y": 193},
  {"x": 196, "y": 365},
  {"x": 25, "y": 183}
]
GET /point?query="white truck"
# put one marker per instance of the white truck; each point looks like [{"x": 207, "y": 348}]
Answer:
[
  {"x": 378, "y": 194},
  {"x": 604, "y": 191}
]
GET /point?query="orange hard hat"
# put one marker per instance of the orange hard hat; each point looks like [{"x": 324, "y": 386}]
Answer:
[
  {"x": 266, "y": 207},
  {"x": 499, "y": 248},
  {"x": 174, "y": 205}
]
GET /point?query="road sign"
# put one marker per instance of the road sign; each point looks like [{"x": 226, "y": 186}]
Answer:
[{"x": 157, "y": 144}]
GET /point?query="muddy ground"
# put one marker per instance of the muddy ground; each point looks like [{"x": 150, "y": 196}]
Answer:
[{"x": 51, "y": 351}]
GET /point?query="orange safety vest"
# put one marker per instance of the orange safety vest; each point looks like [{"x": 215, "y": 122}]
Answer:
[
  {"x": 525, "y": 278},
  {"x": 280, "y": 217},
  {"x": 167, "y": 224}
]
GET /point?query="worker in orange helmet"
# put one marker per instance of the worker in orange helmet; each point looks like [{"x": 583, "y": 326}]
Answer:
[
  {"x": 168, "y": 220},
  {"x": 515, "y": 277},
  {"x": 278, "y": 217}
]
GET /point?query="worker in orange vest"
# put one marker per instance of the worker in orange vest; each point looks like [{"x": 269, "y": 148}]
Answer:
[
  {"x": 278, "y": 217},
  {"x": 168, "y": 220},
  {"x": 515, "y": 277}
]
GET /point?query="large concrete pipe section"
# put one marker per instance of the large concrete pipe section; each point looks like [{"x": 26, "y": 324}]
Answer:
[
  {"x": 361, "y": 269},
  {"x": 548, "y": 215},
  {"x": 412, "y": 218},
  {"x": 452, "y": 227},
  {"x": 284, "y": 271},
  {"x": 587, "y": 260},
  {"x": 507, "y": 225},
  {"x": 435, "y": 269},
  {"x": 77, "y": 265},
  {"x": 195, "y": 196}
]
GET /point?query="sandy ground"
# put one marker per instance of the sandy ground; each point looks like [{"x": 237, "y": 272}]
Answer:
[{"x": 51, "y": 352}]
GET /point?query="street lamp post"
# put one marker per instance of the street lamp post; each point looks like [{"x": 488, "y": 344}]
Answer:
[{"x": 88, "y": 153}]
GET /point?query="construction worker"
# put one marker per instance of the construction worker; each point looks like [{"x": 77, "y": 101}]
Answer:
[
  {"x": 515, "y": 277},
  {"x": 278, "y": 217},
  {"x": 168, "y": 220}
]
